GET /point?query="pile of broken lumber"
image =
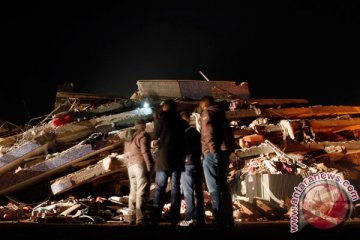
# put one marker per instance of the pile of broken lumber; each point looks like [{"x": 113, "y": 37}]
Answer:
[{"x": 80, "y": 144}]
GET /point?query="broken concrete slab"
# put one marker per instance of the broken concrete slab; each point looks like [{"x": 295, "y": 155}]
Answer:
[
  {"x": 83, "y": 176},
  {"x": 123, "y": 120},
  {"x": 253, "y": 151},
  {"x": 108, "y": 109},
  {"x": 15, "y": 157},
  {"x": 42, "y": 141},
  {"x": 74, "y": 131},
  {"x": 192, "y": 89},
  {"x": 27, "y": 177}
]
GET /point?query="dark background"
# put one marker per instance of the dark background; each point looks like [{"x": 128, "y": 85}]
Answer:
[{"x": 294, "y": 49}]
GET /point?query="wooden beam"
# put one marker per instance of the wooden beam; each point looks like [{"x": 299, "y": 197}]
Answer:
[
  {"x": 335, "y": 125},
  {"x": 277, "y": 102},
  {"x": 311, "y": 146},
  {"x": 8, "y": 141},
  {"x": 86, "y": 96},
  {"x": 294, "y": 113}
]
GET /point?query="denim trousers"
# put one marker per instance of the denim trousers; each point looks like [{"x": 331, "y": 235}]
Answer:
[
  {"x": 216, "y": 166},
  {"x": 191, "y": 181},
  {"x": 161, "y": 180}
]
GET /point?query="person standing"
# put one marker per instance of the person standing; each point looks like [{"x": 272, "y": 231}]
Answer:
[
  {"x": 169, "y": 132},
  {"x": 191, "y": 179},
  {"x": 217, "y": 143},
  {"x": 140, "y": 162}
]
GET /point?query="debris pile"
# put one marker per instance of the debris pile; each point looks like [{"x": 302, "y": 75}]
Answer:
[{"x": 80, "y": 143}]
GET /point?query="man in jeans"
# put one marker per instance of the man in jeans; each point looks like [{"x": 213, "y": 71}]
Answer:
[
  {"x": 217, "y": 143},
  {"x": 191, "y": 179},
  {"x": 169, "y": 131},
  {"x": 137, "y": 150}
]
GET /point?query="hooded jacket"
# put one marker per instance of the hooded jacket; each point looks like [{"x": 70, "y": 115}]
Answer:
[
  {"x": 216, "y": 134},
  {"x": 169, "y": 130},
  {"x": 138, "y": 149}
]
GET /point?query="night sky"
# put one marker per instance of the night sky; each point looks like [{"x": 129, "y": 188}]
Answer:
[{"x": 294, "y": 49}]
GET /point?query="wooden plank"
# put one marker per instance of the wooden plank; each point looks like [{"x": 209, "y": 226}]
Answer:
[
  {"x": 86, "y": 96},
  {"x": 27, "y": 177},
  {"x": 8, "y": 141},
  {"x": 277, "y": 102},
  {"x": 83, "y": 176},
  {"x": 71, "y": 209},
  {"x": 294, "y": 113},
  {"x": 349, "y": 145},
  {"x": 335, "y": 125}
]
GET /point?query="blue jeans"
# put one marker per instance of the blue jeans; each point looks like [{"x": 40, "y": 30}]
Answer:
[
  {"x": 161, "y": 180},
  {"x": 192, "y": 184},
  {"x": 216, "y": 166}
]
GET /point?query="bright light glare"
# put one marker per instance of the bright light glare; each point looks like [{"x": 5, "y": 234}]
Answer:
[{"x": 146, "y": 105}]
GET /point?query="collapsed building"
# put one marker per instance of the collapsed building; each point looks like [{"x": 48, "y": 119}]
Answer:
[{"x": 72, "y": 157}]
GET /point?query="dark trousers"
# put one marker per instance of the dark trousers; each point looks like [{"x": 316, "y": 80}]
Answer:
[
  {"x": 191, "y": 181},
  {"x": 161, "y": 180},
  {"x": 216, "y": 167}
]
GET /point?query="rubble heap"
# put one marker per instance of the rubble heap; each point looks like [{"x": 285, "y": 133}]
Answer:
[{"x": 79, "y": 144}]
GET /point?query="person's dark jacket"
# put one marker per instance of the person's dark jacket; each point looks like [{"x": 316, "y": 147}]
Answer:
[
  {"x": 169, "y": 130},
  {"x": 192, "y": 147},
  {"x": 216, "y": 134},
  {"x": 138, "y": 150}
]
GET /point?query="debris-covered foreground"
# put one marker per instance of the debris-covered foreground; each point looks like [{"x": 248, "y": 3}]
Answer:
[{"x": 73, "y": 157}]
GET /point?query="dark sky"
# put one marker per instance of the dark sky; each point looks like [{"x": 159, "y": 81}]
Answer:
[{"x": 294, "y": 49}]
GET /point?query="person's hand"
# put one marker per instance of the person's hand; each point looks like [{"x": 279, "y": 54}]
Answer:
[{"x": 154, "y": 144}]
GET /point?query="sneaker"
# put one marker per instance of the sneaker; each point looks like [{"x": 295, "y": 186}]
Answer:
[{"x": 186, "y": 223}]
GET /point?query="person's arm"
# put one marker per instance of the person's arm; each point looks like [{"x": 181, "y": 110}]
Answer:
[
  {"x": 145, "y": 151},
  {"x": 157, "y": 129},
  {"x": 207, "y": 129}
]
